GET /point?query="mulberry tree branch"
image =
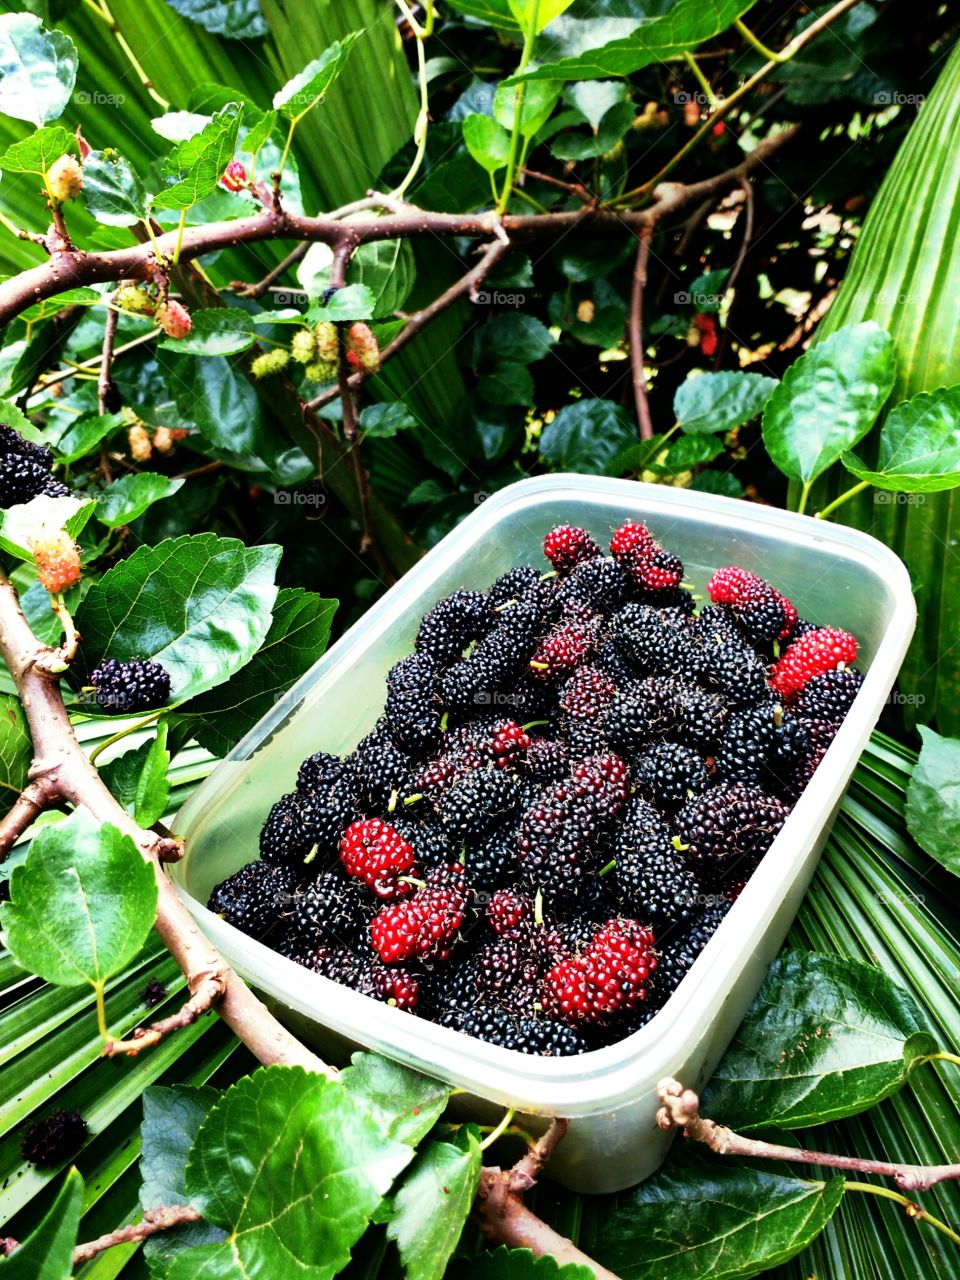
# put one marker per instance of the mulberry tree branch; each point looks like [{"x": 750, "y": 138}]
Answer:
[
  {"x": 152, "y": 1222},
  {"x": 680, "y": 1109}
]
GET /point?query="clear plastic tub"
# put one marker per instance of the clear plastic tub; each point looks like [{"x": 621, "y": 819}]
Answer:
[{"x": 833, "y": 574}]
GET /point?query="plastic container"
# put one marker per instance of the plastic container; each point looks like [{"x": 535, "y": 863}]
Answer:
[{"x": 833, "y": 574}]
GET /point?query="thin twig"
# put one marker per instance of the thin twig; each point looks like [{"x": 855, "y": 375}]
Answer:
[
  {"x": 680, "y": 1109},
  {"x": 635, "y": 330},
  {"x": 106, "y": 358},
  {"x": 350, "y": 434},
  {"x": 466, "y": 285},
  {"x": 152, "y": 1222},
  {"x": 207, "y": 990}
]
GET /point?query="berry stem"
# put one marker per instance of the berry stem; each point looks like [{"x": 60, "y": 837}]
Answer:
[
  {"x": 770, "y": 54},
  {"x": 518, "y": 96},
  {"x": 702, "y": 81},
  {"x": 499, "y": 1130},
  {"x": 841, "y": 499},
  {"x": 71, "y": 637},
  {"x": 804, "y": 497},
  {"x": 101, "y": 1013},
  {"x": 179, "y": 244},
  {"x": 142, "y": 723}
]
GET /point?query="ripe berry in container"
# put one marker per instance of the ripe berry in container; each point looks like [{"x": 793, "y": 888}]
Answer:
[
  {"x": 477, "y": 802},
  {"x": 413, "y": 707},
  {"x": 726, "y": 831},
  {"x": 377, "y": 854},
  {"x": 254, "y": 898},
  {"x": 565, "y": 546},
  {"x": 452, "y": 624},
  {"x": 669, "y": 774},
  {"x": 829, "y": 696},
  {"x": 763, "y": 613},
  {"x": 424, "y": 927}
]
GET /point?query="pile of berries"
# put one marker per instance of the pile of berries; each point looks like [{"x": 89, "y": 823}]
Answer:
[
  {"x": 25, "y": 470},
  {"x": 575, "y": 774}
]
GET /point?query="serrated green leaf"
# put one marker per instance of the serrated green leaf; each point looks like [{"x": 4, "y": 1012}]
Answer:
[
  {"x": 825, "y": 1038},
  {"x": 353, "y": 302},
  {"x": 153, "y": 786},
  {"x": 172, "y": 1117},
  {"x": 691, "y": 451},
  {"x": 12, "y": 416},
  {"x": 47, "y": 1252},
  {"x": 586, "y": 436},
  {"x": 48, "y": 307},
  {"x": 122, "y": 775},
  {"x": 515, "y": 337},
  {"x": 487, "y": 141},
  {"x": 293, "y": 1167},
  {"x": 508, "y": 383},
  {"x": 37, "y": 152},
  {"x": 384, "y": 420},
  {"x": 199, "y": 605},
  {"x": 257, "y": 136},
  {"x": 298, "y": 635},
  {"x": 304, "y": 91},
  {"x": 432, "y": 1204},
  {"x": 704, "y": 1217},
  {"x": 497, "y": 13},
  {"x": 720, "y": 401},
  {"x": 38, "y": 69},
  {"x": 219, "y": 331},
  {"x": 594, "y": 98},
  {"x": 198, "y": 162},
  {"x": 828, "y": 400},
  {"x": 178, "y": 126},
  {"x": 131, "y": 495},
  {"x": 919, "y": 446},
  {"x": 686, "y": 24},
  {"x": 405, "y": 1104},
  {"x": 81, "y": 904},
  {"x": 534, "y": 15},
  {"x": 16, "y": 750},
  {"x": 86, "y": 433},
  {"x": 516, "y": 1264},
  {"x": 235, "y": 19},
  {"x": 933, "y": 798},
  {"x": 579, "y": 146},
  {"x": 112, "y": 190},
  {"x": 386, "y": 268},
  {"x": 19, "y": 525}
]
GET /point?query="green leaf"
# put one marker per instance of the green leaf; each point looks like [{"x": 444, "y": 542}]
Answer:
[
  {"x": 586, "y": 436},
  {"x": 198, "y": 162},
  {"x": 686, "y": 24},
  {"x": 353, "y": 302},
  {"x": 578, "y": 146},
  {"x": 16, "y": 750},
  {"x": 432, "y": 1205},
  {"x": 19, "y": 525},
  {"x": 691, "y": 451},
  {"x": 515, "y": 337},
  {"x": 48, "y": 307},
  {"x": 534, "y": 15},
  {"x": 172, "y": 1117},
  {"x": 16, "y": 418},
  {"x": 496, "y": 13},
  {"x": 47, "y": 1252},
  {"x": 38, "y": 69},
  {"x": 130, "y": 777},
  {"x": 516, "y": 1264},
  {"x": 538, "y": 103},
  {"x": 509, "y": 383},
  {"x": 720, "y": 401},
  {"x": 293, "y": 1167},
  {"x": 381, "y": 421},
  {"x": 298, "y": 635},
  {"x": 487, "y": 142},
  {"x": 260, "y": 133},
  {"x": 828, "y": 400},
  {"x": 704, "y": 1217},
  {"x": 304, "y": 91},
  {"x": 386, "y": 267},
  {"x": 219, "y": 331},
  {"x": 933, "y": 798},
  {"x": 235, "y": 19},
  {"x": 85, "y": 433},
  {"x": 81, "y": 904},
  {"x": 131, "y": 495},
  {"x": 825, "y": 1038},
  {"x": 405, "y": 1104},
  {"x": 919, "y": 446},
  {"x": 594, "y": 98},
  {"x": 37, "y": 152},
  {"x": 199, "y": 605},
  {"x": 112, "y": 190}
]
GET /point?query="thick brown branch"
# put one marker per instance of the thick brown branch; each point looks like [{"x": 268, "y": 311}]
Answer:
[
  {"x": 467, "y": 285},
  {"x": 207, "y": 990},
  {"x": 28, "y": 806},
  {"x": 72, "y": 268},
  {"x": 62, "y": 769},
  {"x": 681, "y": 1110},
  {"x": 153, "y": 1221},
  {"x": 635, "y": 331}
]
